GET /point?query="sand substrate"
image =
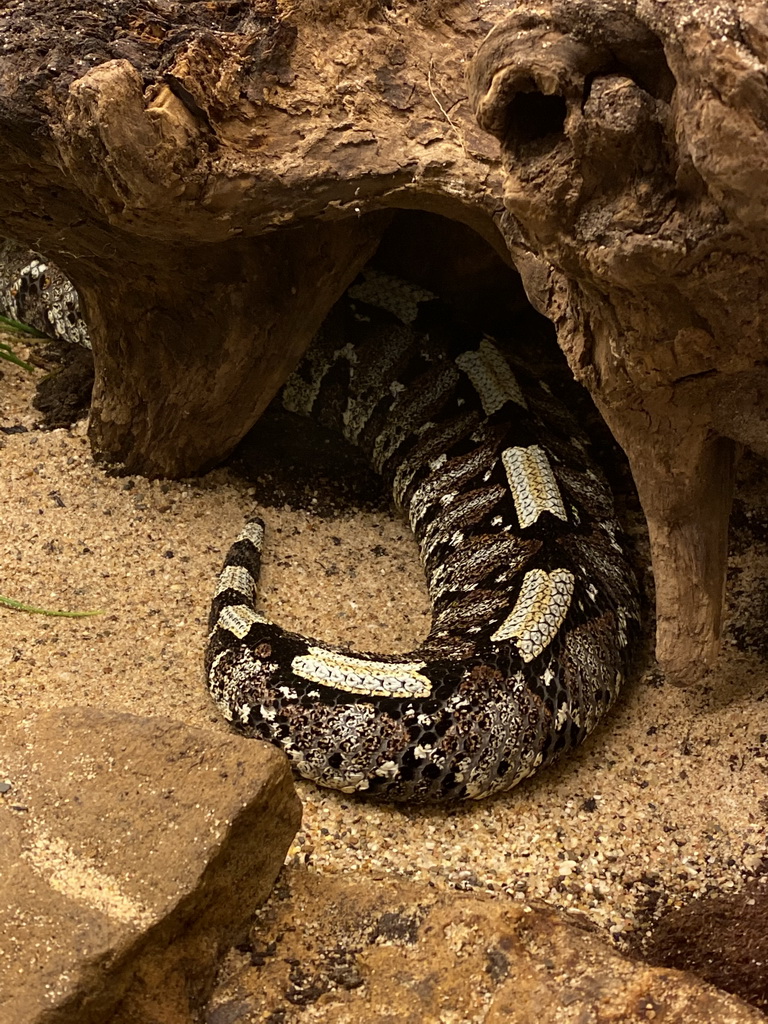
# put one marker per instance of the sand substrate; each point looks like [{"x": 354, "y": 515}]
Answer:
[{"x": 666, "y": 801}]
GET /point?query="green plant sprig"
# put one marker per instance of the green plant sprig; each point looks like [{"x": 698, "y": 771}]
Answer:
[
  {"x": 7, "y": 324},
  {"x": 16, "y": 327},
  {"x": 33, "y": 609},
  {"x": 7, "y": 353}
]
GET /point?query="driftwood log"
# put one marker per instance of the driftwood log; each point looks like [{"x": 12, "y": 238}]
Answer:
[
  {"x": 635, "y": 146},
  {"x": 212, "y": 175}
]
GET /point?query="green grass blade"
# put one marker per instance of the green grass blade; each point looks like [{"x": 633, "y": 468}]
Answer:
[
  {"x": 19, "y": 606},
  {"x": 15, "y": 325},
  {"x": 9, "y": 356}
]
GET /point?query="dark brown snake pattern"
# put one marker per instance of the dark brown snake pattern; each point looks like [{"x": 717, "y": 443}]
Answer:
[{"x": 534, "y": 603}]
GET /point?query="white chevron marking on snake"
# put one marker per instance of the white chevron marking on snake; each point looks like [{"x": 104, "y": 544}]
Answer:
[
  {"x": 491, "y": 377},
  {"x": 238, "y": 619},
  {"x": 533, "y": 484},
  {"x": 253, "y": 532},
  {"x": 539, "y": 611},
  {"x": 399, "y": 297},
  {"x": 236, "y": 577},
  {"x": 356, "y": 675}
]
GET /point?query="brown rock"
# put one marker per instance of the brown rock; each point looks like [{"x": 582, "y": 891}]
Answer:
[
  {"x": 134, "y": 853},
  {"x": 330, "y": 949}
]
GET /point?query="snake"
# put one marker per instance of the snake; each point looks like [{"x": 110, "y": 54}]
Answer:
[
  {"x": 534, "y": 601},
  {"x": 535, "y": 605}
]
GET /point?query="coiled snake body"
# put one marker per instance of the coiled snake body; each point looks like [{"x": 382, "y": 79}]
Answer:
[{"x": 534, "y": 603}]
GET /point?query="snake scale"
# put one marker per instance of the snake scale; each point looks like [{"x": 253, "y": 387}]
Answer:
[{"x": 535, "y": 606}]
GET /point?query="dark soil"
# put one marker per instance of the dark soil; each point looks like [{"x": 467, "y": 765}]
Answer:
[
  {"x": 64, "y": 395},
  {"x": 722, "y": 938},
  {"x": 296, "y": 462}
]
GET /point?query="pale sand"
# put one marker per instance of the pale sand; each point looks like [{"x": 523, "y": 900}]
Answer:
[{"x": 666, "y": 801}]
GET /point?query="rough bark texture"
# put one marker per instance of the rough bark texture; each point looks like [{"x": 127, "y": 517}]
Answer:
[
  {"x": 212, "y": 175},
  {"x": 635, "y": 146},
  {"x": 154, "y": 149}
]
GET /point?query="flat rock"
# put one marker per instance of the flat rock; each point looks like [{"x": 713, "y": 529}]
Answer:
[
  {"x": 135, "y": 851},
  {"x": 328, "y": 949}
]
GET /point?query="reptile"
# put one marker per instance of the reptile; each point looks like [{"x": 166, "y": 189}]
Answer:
[{"x": 534, "y": 604}]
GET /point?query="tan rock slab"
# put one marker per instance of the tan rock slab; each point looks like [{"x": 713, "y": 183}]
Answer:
[
  {"x": 329, "y": 949},
  {"x": 135, "y": 851}
]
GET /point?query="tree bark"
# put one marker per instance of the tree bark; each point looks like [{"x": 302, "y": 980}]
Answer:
[
  {"x": 634, "y": 143},
  {"x": 211, "y": 177}
]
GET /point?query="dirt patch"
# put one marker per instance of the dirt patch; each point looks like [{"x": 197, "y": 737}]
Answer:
[
  {"x": 722, "y": 938},
  {"x": 63, "y": 396},
  {"x": 296, "y": 462}
]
